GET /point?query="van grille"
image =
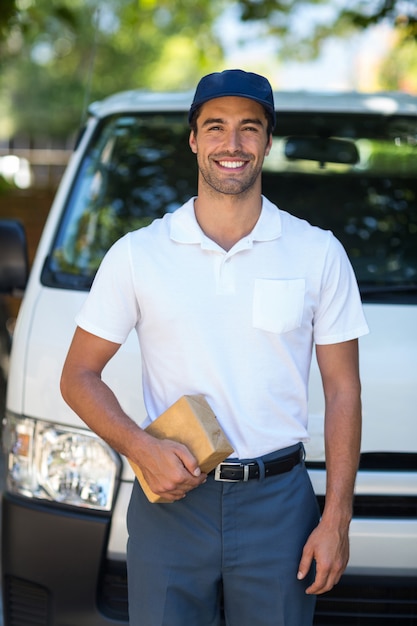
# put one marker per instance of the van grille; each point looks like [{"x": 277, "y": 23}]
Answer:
[
  {"x": 381, "y": 507},
  {"x": 112, "y": 597},
  {"x": 389, "y": 461},
  {"x": 25, "y": 604},
  {"x": 355, "y": 601},
  {"x": 368, "y": 602},
  {"x": 379, "y": 462}
]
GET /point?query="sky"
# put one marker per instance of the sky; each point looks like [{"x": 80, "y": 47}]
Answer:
[{"x": 344, "y": 64}]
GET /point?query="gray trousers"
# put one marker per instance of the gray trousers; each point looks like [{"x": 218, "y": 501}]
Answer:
[{"x": 242, "y": 540}]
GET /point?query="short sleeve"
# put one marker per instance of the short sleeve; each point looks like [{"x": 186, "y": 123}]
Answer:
[
  {"x": 111, "y": 308},
  {"x": 339, "y": 315}
]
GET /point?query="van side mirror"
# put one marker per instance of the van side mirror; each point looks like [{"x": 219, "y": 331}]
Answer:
[{"x": 14, "y": 265}]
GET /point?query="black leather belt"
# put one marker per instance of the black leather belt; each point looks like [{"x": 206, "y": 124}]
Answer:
[{"x": 234, "y": 472}]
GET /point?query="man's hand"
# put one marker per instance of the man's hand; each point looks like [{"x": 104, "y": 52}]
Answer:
[
  {"x": 169, "y": 468},
  {"x": 329, "y": 547}
]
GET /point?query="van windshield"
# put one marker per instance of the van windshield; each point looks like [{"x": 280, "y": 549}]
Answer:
[{"x": 355, "y": 174}]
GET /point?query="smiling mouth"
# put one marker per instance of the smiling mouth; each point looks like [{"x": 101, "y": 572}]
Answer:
[{"x": 232, "y": 165}]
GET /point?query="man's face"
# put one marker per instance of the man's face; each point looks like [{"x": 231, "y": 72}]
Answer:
[{"x": 231, "y": 143}]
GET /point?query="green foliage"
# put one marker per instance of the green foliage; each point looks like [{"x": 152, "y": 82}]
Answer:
[
  {"x": 301, "y": 37},
  {"x": 361, "y": 13},
  {"x": 4, "y": 185},
  {"x": 58, "y": 55},
  {"x": 7, "y": 15},
  {"x": 400, "y": 67}
]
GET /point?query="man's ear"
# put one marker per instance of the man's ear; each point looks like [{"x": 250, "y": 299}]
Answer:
[
  {"x": 268, "y": 145},
  {"x": 192, "y": 142}
]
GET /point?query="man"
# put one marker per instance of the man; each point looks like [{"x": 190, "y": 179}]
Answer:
[{"x": 228, "y": 296}]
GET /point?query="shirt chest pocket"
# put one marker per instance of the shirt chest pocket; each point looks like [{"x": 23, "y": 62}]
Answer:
[{"x": 278, "y": 304}]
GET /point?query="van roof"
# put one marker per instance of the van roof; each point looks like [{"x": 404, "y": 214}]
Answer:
[{"x": 382, "y": 103}]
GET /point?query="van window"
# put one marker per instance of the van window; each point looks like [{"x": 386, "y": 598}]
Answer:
[{"x": 355, "y": 174}]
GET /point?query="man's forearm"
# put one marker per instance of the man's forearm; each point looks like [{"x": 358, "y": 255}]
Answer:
[
  {"x": 342, "y": 442},
  {"x": 95, "y": 403}
]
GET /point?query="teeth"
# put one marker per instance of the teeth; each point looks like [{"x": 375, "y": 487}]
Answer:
[{"x": 232, "y": 164}]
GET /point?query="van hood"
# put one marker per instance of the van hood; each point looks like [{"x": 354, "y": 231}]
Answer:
[
  {"x": 388, "y": 369},
  {"x": 43, "y": 350}
]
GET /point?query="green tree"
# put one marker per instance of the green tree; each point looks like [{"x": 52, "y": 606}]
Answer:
[
  {"x": 286, "y": 19},
  {"x": 344, "y": 14},
  {"x": 57, "y": 55},
  {"x": 300, "y": 27},
  {"x": 398, "y": 71},
  {"x": 60, "y": 54}
]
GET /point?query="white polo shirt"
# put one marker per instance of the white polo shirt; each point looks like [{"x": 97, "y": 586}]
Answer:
[{"x": 236, "y": 326}]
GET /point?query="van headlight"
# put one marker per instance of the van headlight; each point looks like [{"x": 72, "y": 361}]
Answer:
[{"x": 61, "y": 464}]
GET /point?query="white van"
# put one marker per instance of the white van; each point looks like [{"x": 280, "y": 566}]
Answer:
[{"x": 345, "y": 162}]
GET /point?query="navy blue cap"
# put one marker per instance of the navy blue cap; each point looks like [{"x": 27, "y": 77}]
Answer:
[{"x": 234, "y": 83}]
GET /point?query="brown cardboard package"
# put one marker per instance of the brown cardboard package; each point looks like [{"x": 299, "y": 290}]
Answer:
[{"x": 190, "y": 421}]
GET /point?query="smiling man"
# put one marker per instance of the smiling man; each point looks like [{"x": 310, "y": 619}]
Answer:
[
  {"x": 228, "y": 295},
  {"x": 230, "y": 146}
]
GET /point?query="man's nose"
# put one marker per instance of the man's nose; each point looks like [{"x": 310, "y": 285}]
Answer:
[{"x": 233, "y": 140}]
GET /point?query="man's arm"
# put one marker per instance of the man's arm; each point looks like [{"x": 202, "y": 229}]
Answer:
[
  {"x": 328, "y": 544},
  {"x": 169, "y": 467}
]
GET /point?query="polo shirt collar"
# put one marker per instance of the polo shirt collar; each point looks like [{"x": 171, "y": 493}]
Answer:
[{"x": 184, "y": 227}]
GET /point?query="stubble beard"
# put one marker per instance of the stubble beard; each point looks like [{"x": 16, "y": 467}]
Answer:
[{"x": 229, "y": 186}]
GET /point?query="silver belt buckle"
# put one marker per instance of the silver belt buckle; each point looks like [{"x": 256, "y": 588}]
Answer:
[{"x": 218, "y": 470}]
